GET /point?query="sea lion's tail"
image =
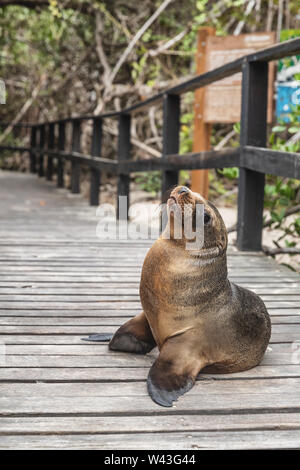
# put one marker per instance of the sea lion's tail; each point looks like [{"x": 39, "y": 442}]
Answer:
[{"x": 102, "y": 338}]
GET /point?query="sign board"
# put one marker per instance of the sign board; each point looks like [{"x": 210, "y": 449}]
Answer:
[
  {"x": 288, "y": 80},
  {"x": 222, "y": 101}
]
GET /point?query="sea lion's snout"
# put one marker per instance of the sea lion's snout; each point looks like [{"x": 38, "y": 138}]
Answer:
[
  {"x": 181, "y": 193},
  {"x": 177, "y": 194},
  {"x": 183, "y": 189}
]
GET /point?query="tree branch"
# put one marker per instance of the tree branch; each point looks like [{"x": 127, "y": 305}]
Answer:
[
  {"x": 168, "y": 44},
  {"x": 136, "y": 38},
  {"x": 280, "y": 250},
  {"x": 24, "y": 109},
  {"x": 268, "y": 223},
  {"x": 135, "y": 142},
  {"x": 100, "y": 50}
]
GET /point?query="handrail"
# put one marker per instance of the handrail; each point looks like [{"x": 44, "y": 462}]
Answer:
[
  {"x": 253, "y": 159},
  {"x": 275, "y": 52}
]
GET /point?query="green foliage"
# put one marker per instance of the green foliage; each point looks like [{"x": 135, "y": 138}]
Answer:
[
  {"x": 149, "y": 181},
  {"x": 186, "y": 133},
  {"x": 231, "y": 173},
  {"x": 282, "y": 132},
  {"x": 281, "y": 193}
]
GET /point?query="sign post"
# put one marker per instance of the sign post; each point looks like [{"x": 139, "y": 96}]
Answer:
[{"x": 202, "y": 130}]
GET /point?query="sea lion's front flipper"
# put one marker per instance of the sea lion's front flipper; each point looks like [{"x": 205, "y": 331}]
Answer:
[
  {"x": 134, "y": 336},
  {"x": 175, "y": 370},
  {"x": 102, "y": 338}
]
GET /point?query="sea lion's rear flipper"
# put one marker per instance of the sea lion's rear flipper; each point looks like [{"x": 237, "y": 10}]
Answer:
[
  {"x": 102, "y": 338},
  {"x": 175, "y": 370},
  {"x": 134, "y": 336}
]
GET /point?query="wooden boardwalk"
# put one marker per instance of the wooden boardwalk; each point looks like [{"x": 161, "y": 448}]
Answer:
[{"x": 58, "y": 282}]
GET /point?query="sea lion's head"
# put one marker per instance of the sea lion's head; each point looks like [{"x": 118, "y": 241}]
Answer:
[{"x": 184, "y": 201}]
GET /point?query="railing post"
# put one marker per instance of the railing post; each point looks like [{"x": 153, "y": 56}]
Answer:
[
  {"x": 32, "y": 149},
  {"x": 96, "y": 152},
  {"x": 51, "y": 140},
  {"x": 60, "y": 162},
  {"x": 171, "y": 128},
  {"x": 75, "y": 171},
  {"x": 41, "y": 148},
  {"x": 123, "y": 154},
  {"x": 253, "y": 132}
]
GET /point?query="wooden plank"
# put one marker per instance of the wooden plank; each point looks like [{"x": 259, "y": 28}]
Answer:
[
  {"x": 289, "y": 293},
  {"x": 143, "y": 405},
  {"x": 40, "y": 339},
  {"x": 131, "y": 424},
  {"x": 278, "y": 163},
  {"x": 120, "y": 374},
  {"x": 202, "y": 387},
  {"x": 99, "y": 320},
  {"x": 75, "y": 338},
  {"x": 106, "y": 305},
  {"x": 110, "y": 287},
  {"x": 109, "y": 359},
  {"x": 110, "y": 312},
  {"x": 286, "y": 332},
  {"x": 54, "y": 290},
  {"x": 159, "y": 441},
  {"x": 86, "y": 348}
]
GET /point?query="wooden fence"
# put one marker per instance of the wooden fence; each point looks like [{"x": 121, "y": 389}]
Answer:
[{"x": 252, "y": 158}]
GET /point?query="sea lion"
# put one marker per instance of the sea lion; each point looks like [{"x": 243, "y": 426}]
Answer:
[{"x": 198, "y": 318}]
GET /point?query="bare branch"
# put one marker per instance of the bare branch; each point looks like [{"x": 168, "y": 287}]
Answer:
[
  {"x": 277, "y": 251},
  {"x": 100, "y": 50},
  {"x": 24, "y": 108},
  {"x": 269, "y": 222},
  {"x": 270, "y": 15},
  {"x": 225, "y": 139},
  {"x": 168, "y": 44},
  {"x": 136, "y": 38},
  {"x": 295, "y": 138},
  {"x": 241, "y": 23},
  {"x": 290, "y": 211},
  {"x": 279, "y": 19},
  {"x": 135, "y": 142}
]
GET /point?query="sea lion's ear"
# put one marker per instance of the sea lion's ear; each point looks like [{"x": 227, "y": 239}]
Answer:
[{"x": 174, "y": 372}]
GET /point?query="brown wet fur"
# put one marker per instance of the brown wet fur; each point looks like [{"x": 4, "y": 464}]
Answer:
[{"x": 196, "y": 316}]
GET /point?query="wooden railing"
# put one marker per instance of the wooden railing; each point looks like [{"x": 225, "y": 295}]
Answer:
[{"x": 252, "y": 158}]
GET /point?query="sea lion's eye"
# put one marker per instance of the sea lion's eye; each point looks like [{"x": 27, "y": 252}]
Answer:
[{"x": 207, "y": 218}]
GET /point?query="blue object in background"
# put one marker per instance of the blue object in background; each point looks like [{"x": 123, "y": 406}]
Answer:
[{"x": 288, "y": 94}]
